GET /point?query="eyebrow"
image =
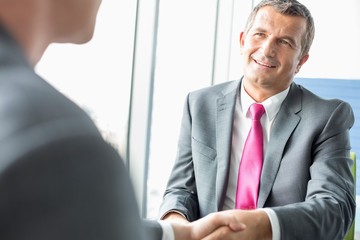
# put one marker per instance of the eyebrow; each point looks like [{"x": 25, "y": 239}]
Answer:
[{"x": 286, "y": 37}]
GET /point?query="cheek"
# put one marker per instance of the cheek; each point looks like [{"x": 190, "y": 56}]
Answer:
[
  {"x": 289, "y": 62},
  {"x": 247, "y": 51},
  {"x": 248, "y": 44}
]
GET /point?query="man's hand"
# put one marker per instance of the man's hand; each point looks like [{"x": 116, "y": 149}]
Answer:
[
  {"x": 205, "y": 226},
  {"x": 257, "y": 223}
]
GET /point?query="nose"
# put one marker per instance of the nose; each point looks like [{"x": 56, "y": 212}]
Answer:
[{"x": 268, "y": 47}]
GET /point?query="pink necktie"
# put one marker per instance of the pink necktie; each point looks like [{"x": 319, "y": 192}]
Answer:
[{"x": 251, "y": 163}]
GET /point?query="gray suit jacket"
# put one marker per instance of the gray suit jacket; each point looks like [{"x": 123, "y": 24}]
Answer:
[
  {"x": 306, "y": 177},
  {"x": 58, "y": 178}
]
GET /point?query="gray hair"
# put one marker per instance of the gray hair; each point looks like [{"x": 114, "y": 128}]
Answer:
[{"x": 290, "y": 8}]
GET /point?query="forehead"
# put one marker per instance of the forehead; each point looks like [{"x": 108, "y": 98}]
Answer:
[{"x": 268, "y": 19}]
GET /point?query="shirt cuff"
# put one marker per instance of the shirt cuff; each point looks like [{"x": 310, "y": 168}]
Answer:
[
  {"x": 274, "y": 221},
  {"x": 168, "y": 232}
]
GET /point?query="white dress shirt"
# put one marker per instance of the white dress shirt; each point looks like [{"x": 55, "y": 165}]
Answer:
[{"x": 241, "y": 128}]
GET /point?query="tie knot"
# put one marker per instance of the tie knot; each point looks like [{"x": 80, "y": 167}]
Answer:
[{"x": 256, "y": 111}]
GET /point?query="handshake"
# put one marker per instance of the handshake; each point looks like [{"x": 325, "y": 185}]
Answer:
[{"x": 229, "y": 224}]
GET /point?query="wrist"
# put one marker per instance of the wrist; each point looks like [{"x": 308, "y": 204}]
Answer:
[
  {"x": 175, "y": 217},
  {"x": 182, "y": 230},
  {"x": 265, "y": 230}
]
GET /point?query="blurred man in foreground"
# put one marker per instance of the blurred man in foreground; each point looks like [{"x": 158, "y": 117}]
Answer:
[{"x": 58, "y": 178}]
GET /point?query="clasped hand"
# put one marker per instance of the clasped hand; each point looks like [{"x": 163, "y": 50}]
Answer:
[{"x": 225, "y": 225}]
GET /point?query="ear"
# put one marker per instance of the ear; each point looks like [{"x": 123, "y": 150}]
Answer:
[
  {"x": 242, "y": 40},
  {"x": 303, "y": 60}
]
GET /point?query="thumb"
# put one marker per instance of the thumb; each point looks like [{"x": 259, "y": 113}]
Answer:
[{"x": 237, "y": 226}]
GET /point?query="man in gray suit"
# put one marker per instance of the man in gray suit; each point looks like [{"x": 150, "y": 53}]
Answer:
[
  {"x": 306, "y": 188},
  {"x": 58, "y": 178}
]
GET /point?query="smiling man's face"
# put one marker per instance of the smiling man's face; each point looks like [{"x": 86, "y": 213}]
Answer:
[{"x": 272, "y": 51}]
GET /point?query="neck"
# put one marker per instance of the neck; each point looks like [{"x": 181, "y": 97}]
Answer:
[
  {"x": 258, "y": 92},
  {"x": 25, "y": 22}
]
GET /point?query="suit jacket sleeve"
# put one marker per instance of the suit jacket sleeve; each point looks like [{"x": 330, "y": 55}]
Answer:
[
  {"x": 76, "y": 188},
  {"x": 152, "y": 229},
  {"x": 328, "y": 209}
]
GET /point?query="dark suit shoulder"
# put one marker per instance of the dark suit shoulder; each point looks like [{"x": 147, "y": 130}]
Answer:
[
  {"x": 29, "y": 102},
  {"x": 309, "y": 96},
  {"x": 315, "y": 106}
]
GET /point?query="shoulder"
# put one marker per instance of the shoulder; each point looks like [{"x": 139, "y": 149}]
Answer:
[
  {"x": 214, "y": 92},
  {"x": 315, "y": 101},
  {"x": 217, "y": 89},
  {"x": 313, "y": 105},
  {"x": 32, "y": 109},
  {"x": 206, "y": 99}
]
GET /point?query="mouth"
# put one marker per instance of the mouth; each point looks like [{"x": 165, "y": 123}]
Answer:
[{"x": 264, "y": 64}]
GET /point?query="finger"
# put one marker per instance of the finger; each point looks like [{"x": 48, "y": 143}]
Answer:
[
  {"x": 237, "y": 226},
  {"x": 227, "y": 218},
  {"x": 223, "y": 233},
  {"x": 208, "y": 224},
  {"x": 212, "y": 222}
]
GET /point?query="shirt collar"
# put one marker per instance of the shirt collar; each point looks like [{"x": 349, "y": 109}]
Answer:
[{"x": 271, "y": 105}]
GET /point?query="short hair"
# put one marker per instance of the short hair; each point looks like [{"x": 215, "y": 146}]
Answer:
[{"x": 290, "y": 8}]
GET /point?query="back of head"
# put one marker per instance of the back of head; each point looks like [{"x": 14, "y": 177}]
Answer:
[{"x": 290, "y": 8}]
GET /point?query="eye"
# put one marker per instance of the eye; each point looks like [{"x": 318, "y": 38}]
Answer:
[
  {"x": 259, "y": 34},
  {"x": 285, "y": 42}
]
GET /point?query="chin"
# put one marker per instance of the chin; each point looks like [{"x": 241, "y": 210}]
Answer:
[
  {"x": 83, "y": 37},
  {"x": 80, "y": 37}
]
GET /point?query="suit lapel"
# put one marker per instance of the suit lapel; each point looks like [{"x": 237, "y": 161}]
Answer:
[
  {"x": 224, "y": 123},
  {"x": 283, "y": 126}
]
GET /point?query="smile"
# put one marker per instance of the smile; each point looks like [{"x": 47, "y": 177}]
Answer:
[{"x": 264, "y": 64}]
